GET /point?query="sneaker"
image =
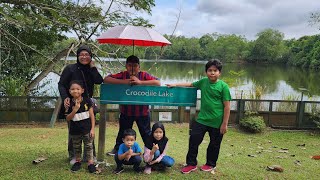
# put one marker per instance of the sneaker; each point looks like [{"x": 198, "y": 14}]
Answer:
[
  {"x": 92, "y": 168},
  {"x": 112, "y": 152},
  {"x": 187, "y": 169},
  {"x": 158, "y": 167},
  {"x": 118, "y": 170},
  {"x": 72, "y": 161},
  {"x": 76, "y": 167},
  {"x": 147, "y": 170},
  {"x": 206, "y": 167},
  {"x": 139, "y": 170}
]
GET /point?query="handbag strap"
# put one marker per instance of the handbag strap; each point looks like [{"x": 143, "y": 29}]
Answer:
[{"x": 85, "y": 82}]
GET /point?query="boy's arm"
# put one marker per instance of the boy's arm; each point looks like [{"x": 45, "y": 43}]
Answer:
[
  {"x": 123, "y": 156},
  {"x": 137, "y": 149},
  {"x": 136, "y": 154},
  {"x": 111, "y": 80},
  {"x": 71, "y": 115},
  {"x": 186, "y": 84},
  {"x": 75, "y": 108},
  {"x": 151, "y": 82},
  {"x": 136, "y": 81},
  {"x": 226, "y": 115},
  {"x": 93, "y": 122}
]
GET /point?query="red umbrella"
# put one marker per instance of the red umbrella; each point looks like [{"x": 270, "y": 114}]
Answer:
[{"x": 133, "y": 36}]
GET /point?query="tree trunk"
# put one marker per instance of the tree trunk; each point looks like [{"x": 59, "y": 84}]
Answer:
[{"x": 48, "y": 69}]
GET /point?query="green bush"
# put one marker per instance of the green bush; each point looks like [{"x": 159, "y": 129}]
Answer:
[
  {"x": 97, "y": 118},
  {"x": 253, "y": 123},
  {"x": 315, "y": 117}
]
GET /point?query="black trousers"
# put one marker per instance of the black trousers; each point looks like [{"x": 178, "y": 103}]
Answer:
[
  {"x": 126, "y": 122},
  {"x": 71, "y": 150},
  {"x": 196, "y": 136}
]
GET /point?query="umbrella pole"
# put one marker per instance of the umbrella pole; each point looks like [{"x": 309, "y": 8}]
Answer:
[
  {"x": 133, "y": 46},
  {"x": 133, "y": 54}
]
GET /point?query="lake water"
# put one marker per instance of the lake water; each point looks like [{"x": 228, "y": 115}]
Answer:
[{"x": 278, "y": 82}]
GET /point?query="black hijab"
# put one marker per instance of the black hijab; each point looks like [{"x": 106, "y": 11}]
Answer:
[
  {"x": 82, "y": 66},
  {"x": 151, "y": 140}
]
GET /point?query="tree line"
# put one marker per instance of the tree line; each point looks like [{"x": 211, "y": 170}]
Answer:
[{"x": 269, "y": 47}]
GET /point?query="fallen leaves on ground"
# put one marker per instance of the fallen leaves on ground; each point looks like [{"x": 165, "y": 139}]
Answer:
[
  {"x": 276, "y": 168},
  {"x": 317, "y": 157},
  {"x": 39, "y": 160}
]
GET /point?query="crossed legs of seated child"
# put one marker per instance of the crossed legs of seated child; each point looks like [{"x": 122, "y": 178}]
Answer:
[
  {"x": 155, "y": 149},
  {"x": 77, "y": 145},
  {"x": 166, "y": 161}
]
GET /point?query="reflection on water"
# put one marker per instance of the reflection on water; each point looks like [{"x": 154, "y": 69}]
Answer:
[{"x": 279, "y": 81}]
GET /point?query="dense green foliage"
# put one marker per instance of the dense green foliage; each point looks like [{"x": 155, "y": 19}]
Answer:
[
  {"x": 32, "y": 33},
  {"x": 253, "y": 123},
  {"x": 269, "y": 47}
]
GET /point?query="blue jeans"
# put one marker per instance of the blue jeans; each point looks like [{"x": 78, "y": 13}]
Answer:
[
  {"x": 134, "y": 160},
  {"x": 166, "y": 160}
]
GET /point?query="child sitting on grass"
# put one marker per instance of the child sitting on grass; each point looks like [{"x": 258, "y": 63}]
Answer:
[
  {"x": 82, "y": 121},
  {"x": 155, "y": 149},
  {"x": 129, "y": 152}
]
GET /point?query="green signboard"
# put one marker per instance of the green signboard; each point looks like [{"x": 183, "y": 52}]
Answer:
[{"x": 147, "y": 95}]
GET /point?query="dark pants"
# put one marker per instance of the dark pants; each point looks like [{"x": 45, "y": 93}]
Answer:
[
  {"x": 71, "y": 149},
  {"x": 126, "y": 122},
  {"x": 87, "y": 144},
  {"x": 197, "y": 133},
  {"x": 134, "y": 160}
]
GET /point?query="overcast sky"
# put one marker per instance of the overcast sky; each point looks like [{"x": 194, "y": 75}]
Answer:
[{"x": 241, "y": 17}]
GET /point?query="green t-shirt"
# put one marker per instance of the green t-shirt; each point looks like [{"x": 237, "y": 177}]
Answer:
[{"x": 212, "y": 97}]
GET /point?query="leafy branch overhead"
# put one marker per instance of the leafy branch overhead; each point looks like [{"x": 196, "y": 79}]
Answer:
[{"x": 31, "y": 30}]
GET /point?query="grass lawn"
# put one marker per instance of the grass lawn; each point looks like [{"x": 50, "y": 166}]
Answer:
[{"x": 20, "y": 145}]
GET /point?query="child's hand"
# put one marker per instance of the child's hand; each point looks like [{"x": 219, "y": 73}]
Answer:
[
  {"x": 92, "y": 133},
  {"x": 66, "y": 103},
  {"x": 130, "y": 151},
  {"x": 135, "y": 80},
  {"x": 128, "y": 154},
  {"x": 76, "y": 107},
  {"x": 155, "y": 147},
  {"x": 153, "y": 162},
  {"x": 223, "y": 128}
]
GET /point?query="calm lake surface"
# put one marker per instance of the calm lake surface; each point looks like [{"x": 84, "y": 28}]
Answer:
[{"x": 278, "y": 82}]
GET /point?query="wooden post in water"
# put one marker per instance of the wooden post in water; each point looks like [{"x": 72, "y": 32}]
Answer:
[{"x": 102, "y": 131}]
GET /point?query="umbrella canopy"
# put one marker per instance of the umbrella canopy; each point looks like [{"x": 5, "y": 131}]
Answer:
[{"x": 132, "y": 36}]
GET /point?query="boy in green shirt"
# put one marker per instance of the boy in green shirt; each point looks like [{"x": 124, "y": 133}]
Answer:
[{"x": 213, "y": 116}]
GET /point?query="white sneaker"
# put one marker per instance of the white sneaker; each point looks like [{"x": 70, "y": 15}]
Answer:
[{"x": 73, "y": 160}]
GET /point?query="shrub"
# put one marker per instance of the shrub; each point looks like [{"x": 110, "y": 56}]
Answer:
[
  {"x": 97, "y": 116},
  {"x": 253, "y": 123},
  {"x": 315, "y": 117}
]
